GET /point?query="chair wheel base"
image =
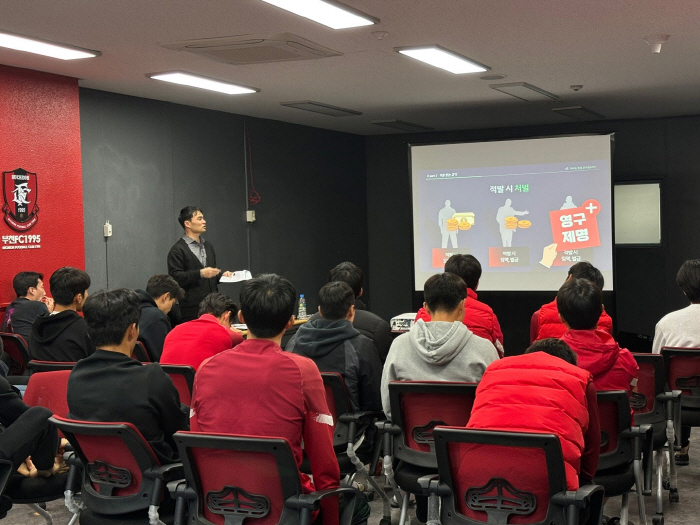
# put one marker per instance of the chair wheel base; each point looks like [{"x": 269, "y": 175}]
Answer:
[
  {"x": 657, "y": 520},
  {"x": 673, "y": 496},
  {"x": 387, "y": 521},
  {"x": 666, "y": 484}
]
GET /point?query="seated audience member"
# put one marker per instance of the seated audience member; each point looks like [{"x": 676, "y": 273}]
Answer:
[
  {"x": 544, "y": 391},
  {"x": 580, "y": 303},
  {"x": 478, "y": 316},
  {"x": 442, "y": 349},
  {"x": 257, "y": 389},
  {"x": 23, "y": 311},
  {"x": 368, "y": 324},
  {"x": 335, "y": 346},
  {"x": 162, "y": 292},
  {"x": 682, "y": 329},
  {"x": 192, "y": 342},
  {"x": 62, "y": 334},
  {"x": 110, "y": 386},
  {"x": 548, "y": 322}
]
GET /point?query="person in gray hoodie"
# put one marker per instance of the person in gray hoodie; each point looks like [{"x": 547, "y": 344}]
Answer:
[
  {"x": 335, "y": 345},
  {"x": 443, "y": 349}
]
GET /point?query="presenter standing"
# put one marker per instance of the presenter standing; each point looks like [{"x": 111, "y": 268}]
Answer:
[{"x": 192, "y": 263}]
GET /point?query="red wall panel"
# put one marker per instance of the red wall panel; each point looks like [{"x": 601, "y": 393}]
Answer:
[{"x": 40, "y": 133}]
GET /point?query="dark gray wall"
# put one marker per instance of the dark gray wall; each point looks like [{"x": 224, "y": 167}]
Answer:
[
  {"x": 143, "y": 160},
  {"x": 660, "y": 149}
]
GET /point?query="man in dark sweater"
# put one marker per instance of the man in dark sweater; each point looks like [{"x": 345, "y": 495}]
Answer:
[
  {"x": 162, "y": 292},
  {"x": 110, "y": 386},
  {"x": 192, "y": 263},
  {"x": 335, "y": 346},
  {"x": 62, "y": 335},
  {"x": 23, "y": 311}
]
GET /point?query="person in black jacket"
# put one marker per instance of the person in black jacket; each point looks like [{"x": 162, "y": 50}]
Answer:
[
  {"x": 162, "y": 292},
  {"x": 29, "y": 304},
  {"x": 335, "y": 346},
  {"x": 110, "y": 386},
  {"x": 365, "y": 322},
  {"x": 192, "y": 263},
  {"x": 62, "y": 335}
]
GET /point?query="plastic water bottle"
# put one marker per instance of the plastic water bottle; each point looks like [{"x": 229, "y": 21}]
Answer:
[{"x": 302, "y": 307}]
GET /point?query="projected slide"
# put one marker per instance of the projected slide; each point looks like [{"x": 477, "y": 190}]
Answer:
[{"x": 526, "y": 222}]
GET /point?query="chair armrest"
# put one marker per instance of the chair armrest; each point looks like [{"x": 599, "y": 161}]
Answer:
[
  {"x": 669, "y": 395},
  {"x": 72, "y": 459},
  {"x": 581, "y": 498},
  {"x": 180, "y": 489},
  {"x": 167, "y": 472},
  {"x": 313, "y": 501},
  {"x": 387, "y": 427},
  {"x": 639, "y": 434},
  {"x": 356, "y": 417}
]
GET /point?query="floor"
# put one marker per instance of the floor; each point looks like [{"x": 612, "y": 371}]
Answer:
[{"x": 687, "y": 511}]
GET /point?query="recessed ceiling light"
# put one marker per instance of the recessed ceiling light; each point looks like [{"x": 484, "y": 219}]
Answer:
[
  {"x": 188, "y": 79},
  {"x": 402, "y": 125},
  {"x": 524, "y": 91},
  {"x": 45, "y": 48},
  {"x": 327, "y": 12},
  {"x": 324, "y": 109},
  {"x": 443, "y": 58},
  {"x": 578, "y": 113}
]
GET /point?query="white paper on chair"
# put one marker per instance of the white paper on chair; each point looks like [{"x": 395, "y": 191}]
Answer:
[{"x": 240, "y": 275}]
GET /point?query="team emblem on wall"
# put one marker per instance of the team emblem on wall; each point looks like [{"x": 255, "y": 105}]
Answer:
[{"x": 19, "y": 191}]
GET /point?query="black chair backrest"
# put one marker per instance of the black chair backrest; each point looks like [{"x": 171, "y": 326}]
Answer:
[
  {"x": 115, "y": 457},
  {"x": 651, "y": 383},
  {"x": 49, "y": 366},
  {"x": 183, "y": 379},
  {"x": 615, "y": 418},
  {"x": 338, "y": 404},
  {"x": 683, "y": 373},
  {"x": 494, "y": 475},
  {"x": 140, "y": 353},
  {"x": 237, "y": 477},
  {"x": 16, "y": 347},
  {"x": 418, "y": 407}
]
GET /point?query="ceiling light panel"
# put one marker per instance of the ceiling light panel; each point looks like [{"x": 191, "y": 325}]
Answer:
[
  {"x": 42, "y": 47},
  {"x": 578, "y": 113},
  {"x": 211, "y": 84},
  {"x": 402, "y": 125},
  {"x": 324, "y": 109},
  {"x": 444, "y": 59},
  {"x": 332, "y": 14},
  {"x": 524, "y": 91}
]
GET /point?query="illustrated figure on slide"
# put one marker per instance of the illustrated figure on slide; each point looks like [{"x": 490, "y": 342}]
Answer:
[
  {"x": 445, "y": 215},
  {"x": 568, "y": 204},
  {"x": 505, "y": 217}
]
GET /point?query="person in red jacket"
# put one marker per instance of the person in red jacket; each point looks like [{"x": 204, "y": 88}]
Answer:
[
  {"x": 548, "y": 323},
  {"x": 478, "y": 316},
  {"x": 580, "y": 302},
  {"x": 257, "y": 389},
  {"x": 543, "y": 391},
  {"x": 193, "y": 342}
]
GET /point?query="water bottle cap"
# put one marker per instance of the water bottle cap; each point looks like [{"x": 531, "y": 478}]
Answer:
[{"x": 301, "y": 295}]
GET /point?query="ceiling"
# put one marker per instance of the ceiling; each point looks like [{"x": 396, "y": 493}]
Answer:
[{"x": 551, "y": 44}]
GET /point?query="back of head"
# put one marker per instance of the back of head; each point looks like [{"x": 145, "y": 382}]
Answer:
[
  {"x": 585, "y": 270},
  {"x": 187, "y": 213},
  {"x": 580, "y": 303},
  {"x": 350, "y": 273},
  {"x": 23, "y": 281},
  {"x": 218, "y": 304},
  {"x": 688, "y": 278},
  {"x": 267, "y": 304},
  {"x": 162, "y": 284},
  {"x": 555, "y": 347},
  {"x": 67, "y": 282},
  {"x": 465, "y": 266},
  {"x": 443, "y": 292},
  {"x": 335, "y": 300},
  {"x": 108, "y": 314}
]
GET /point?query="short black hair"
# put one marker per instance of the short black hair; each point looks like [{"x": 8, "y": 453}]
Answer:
[
  {"x": 443, "y": 292},
  {"x": 335, "y": 300},
  {"x": 267, "y": 303},
  {"x": 187, "y": 213},
  {"x": 67, "y": 282},
  {"x": 162, "y": 284},
  {"x": 688, "y": 278},
  {"x": 23, "y": 281},
  {"x": 467, "y": 267},
  {"x": 217, "y": 304},
  {"x": 108, "y": 314},
  {"x": 580, "y": 303},
  {"x": 348, "y": 273},
  {"x": 555, "y": 347},
  {"x": 585, "y": 270}
]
